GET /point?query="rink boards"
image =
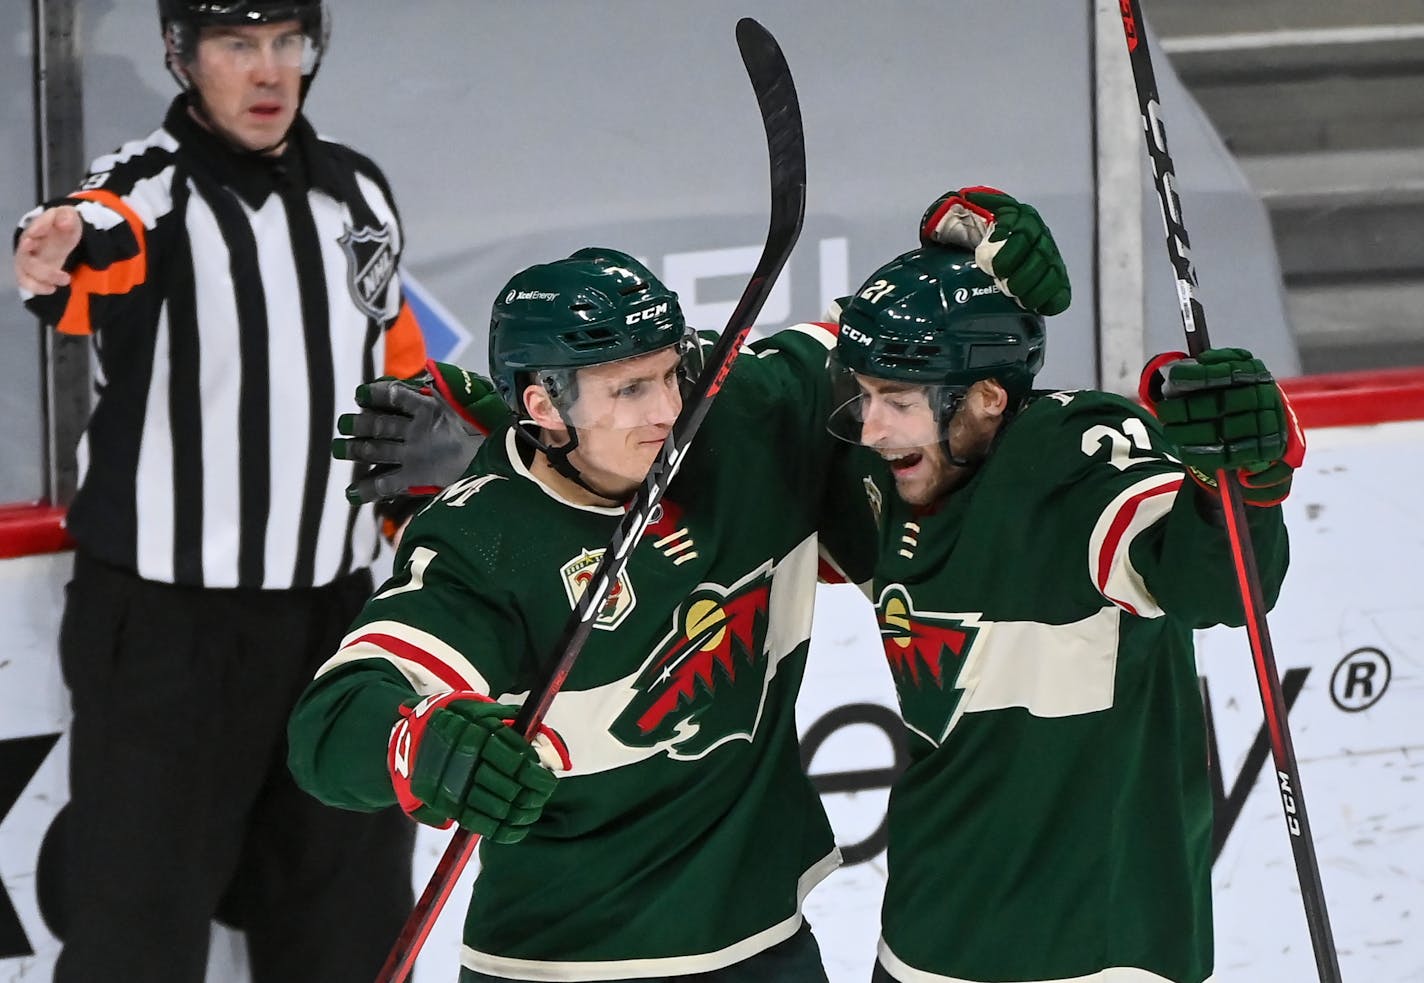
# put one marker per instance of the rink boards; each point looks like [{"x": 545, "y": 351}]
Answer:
[{"x": 1349, "y": 641}]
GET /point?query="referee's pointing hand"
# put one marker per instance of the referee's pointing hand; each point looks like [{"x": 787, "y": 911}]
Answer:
[{"x": 44, "y": 247}]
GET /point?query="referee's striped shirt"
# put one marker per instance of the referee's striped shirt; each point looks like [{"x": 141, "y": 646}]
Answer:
[{"x": 234, "y": 304}]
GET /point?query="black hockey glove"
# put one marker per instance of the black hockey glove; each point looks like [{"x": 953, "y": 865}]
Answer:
[{"x": 417, "y": 434}]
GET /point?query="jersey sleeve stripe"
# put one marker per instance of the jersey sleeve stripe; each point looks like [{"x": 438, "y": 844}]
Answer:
[
  {"x": 823, "y": 332},
  {"x": 405, "y": 346},
  {"x": 430, "y": 665},
  {"x": 406, "y": 652},
  {"x": 117, "y": 278},
  {"x": 1109, "y": 548},
  {"x": 422, "y": 678}
]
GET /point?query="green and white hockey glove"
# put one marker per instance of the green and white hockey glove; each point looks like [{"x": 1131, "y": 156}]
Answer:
[
  {"x": 417, "y": 434},
  {"x": 1223, "y": 411},
  {"x": 1010, "y": 241},
  {"x": 453, "y": 758}
]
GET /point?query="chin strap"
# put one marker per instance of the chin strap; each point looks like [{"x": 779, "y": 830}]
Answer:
[
  {"x": 955, "y": 459},
  {"x": 1010, "y": 413},
  {"x": 947, "y": 413},
  {"x": 559, "y": 458}
]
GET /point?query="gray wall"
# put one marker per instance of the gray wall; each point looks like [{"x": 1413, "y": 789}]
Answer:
[
  {"x": 21, "y": 459},
  {"x": 517, "y": 132},
  {"x": 1232, "y": 249}
]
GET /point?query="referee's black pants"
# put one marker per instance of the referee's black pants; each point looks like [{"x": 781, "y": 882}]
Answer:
[{"x": 181, "y": 807}]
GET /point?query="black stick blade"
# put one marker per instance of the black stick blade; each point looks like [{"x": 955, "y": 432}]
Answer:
[{"x": 781, "y": 116}]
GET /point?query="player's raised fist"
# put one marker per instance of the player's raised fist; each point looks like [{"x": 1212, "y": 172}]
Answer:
[{"x": 1011, "y": 243}]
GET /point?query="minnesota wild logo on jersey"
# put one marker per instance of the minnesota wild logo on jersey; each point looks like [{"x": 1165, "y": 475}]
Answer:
[
  {"x": 926, "y": 651},
  {"x": 706, "y": 680},
  {"x": 578, "y": 573}
]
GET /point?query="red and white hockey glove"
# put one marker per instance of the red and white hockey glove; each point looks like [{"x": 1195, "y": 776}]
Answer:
[
  {"x": 1010, "y": 242},
  {"x": 453, "y": 758},
  {"x": 1223, "y": 410}
]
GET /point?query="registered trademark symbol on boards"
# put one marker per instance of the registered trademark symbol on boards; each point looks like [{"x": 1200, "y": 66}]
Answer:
[{"x": 1360, "y": 680}]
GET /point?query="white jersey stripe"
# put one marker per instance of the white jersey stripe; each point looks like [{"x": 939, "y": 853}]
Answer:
[
  {"x": 1109, "y": 547},
  {"x": 99, "y": 216},
  {"x": 1115, "y": 974},
  {"x": 152, "y": 198},
  {"x": 348, "y": 342},
  {"x": 288, "y": 384},
  {"x": 153, "y": 479},
  {"x": 220, "y": 382},
  {"x": 161, "y": 139},
  {"x": 1048, "y": 670},
  {"x": 429, "y": 664},
  {"x": 822, "y": 333},
  {"x": 535, "y": 969}
]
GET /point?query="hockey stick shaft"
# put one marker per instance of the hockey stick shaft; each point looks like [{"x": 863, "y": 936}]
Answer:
[
  {"x": 1248, "y": 578},
  {"x": 781, "y": 117}
]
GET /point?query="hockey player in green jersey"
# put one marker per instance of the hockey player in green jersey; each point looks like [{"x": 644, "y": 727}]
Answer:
[
  {"x": 681, "y": 833},
  {"x": 1044, "y": 558}
]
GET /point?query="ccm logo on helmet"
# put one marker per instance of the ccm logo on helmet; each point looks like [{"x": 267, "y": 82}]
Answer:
[
  {"x": 964, "y": 293},
  {"x": 859, "y": 337},
  {"x": 647, "y": 314}
]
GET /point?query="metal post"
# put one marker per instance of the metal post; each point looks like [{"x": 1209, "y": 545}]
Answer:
[
  {"x": 1117, "y": 142},
  {"x": 59, "y": 164}
]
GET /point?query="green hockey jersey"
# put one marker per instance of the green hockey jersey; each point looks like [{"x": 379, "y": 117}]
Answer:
[
  {"x": 1054, "y": 822},
  {"x": 686, "y": 833}
]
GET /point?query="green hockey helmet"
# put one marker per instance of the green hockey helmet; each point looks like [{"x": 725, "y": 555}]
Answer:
[
  {"x": 930, "y": 316},
  {"x": 932, "y": 319},
  {"x": 599, "y": 305}
]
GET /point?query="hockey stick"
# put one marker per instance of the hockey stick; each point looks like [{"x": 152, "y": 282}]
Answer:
[
  {"x": 1268, "y": 681},
  {"x": 781, "y": 117}
]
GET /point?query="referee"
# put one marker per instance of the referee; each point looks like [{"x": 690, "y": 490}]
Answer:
[{"x": 221, "y": 264}]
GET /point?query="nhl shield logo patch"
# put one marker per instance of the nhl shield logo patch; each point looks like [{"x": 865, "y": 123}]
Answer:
[
  {"x": 370, "y": 264},
  {"x": 578, "y": 573}
]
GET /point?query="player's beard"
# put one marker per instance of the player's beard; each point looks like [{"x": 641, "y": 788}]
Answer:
[
  {"x": 927, "y": 478},
  {"x": 935, "y": 476}
]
